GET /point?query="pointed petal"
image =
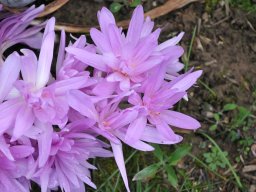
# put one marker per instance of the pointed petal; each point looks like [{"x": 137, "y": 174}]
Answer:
[
  {"x": 171, "y": 42},
  {"x": 46, "y": 55},
  {"x": 44, "y": 179},
  {"x": 136, "y": 129},
  {"x": 44, "y": 143},
  {"x": 88, "y": 58},
  {"x": 119, "y": 158},
  {"x": 29, "y": 66},
  {"x": 184, "y": 82},
  {"x": 180, "y": 120},
  {"x": 61, "y": 87},
  {"x": 152, "y": 135},
  {"x": 21, "y": 151},
  {"x": 139, "y": 145},
  {"x": 61, "y": 53},
  {"x": 82, "y": 103},
  {"x": 5, "y": 149},
  {"x": 166, "y": 131},
  {"x": 104, "y": 88},
  {"x": 105, "y": 18},
  {"x": 100, "y": 40},
  {"x": 8, "y": 111},
  {"x": 24, "y": 121},
  {"x": 9, "y": 73},
  {"x": 135, "y": 26}
]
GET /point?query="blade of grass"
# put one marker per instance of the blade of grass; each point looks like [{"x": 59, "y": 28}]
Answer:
[
  {"x": 187, "y": 56},
  {"x": 225, "y": 159},
  {"x": 208, "y": 88},
  {"x": 205, "y": 166},
  {"x": 117, "y": 182}
]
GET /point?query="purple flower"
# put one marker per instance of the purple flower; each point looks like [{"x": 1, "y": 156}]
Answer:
[
  {"x": 36, "y": 96},
  {"x": 66, "y": 158},
  {"x": 14, "y": 157},
  {"x": 154, "y": 107},
  {"x": 127, "y": 58},
  {"x": 14, "y": 29},
  {"x": 123, "y": 89}
]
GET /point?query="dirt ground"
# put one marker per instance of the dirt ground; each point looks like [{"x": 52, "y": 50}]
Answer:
[{"x": 225, "y": 49}]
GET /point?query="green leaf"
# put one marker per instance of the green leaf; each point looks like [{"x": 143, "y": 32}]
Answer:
[
  {"x": 135, "y": 3},
  {"x": 242, "y": 115},
  {"x": 216, "y": 116},
  {"x": 213, "y": 127},
  {"x": 178, "y": 154},
  {"x": 158, "y": 152},
  {"x": 229, "y": 107},
  {"x": 115, "y": 7},
  {"x": 146, "y": 173},
  {"x": 172, "y": 177}
]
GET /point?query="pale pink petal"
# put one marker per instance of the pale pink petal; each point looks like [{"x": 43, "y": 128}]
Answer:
[
  {"x": 104, "y": 88},
  {"x": 185, "y": 81},
  {"x": 166, "y": 131},
  {"x": 147, "y": 27},
  {"x": 171, "y": 42},
  {"x": 61, "y": 87},
  {"x": 82, "y": 103},
  {"x": 61, "y": 53},
  {"x": 179, "y": 120},
  {"x": 44, "y": 142},
  {"x": 100, "y": 40},
  {"x": 139, "y": 145},
  {"x": 4, "y": 148},
  {"x": 136, "y": 129},
  {"x": 9, "y": 73},
  {"x": 135, "y": 26},
  {"x": 152, "y": 135},
  {"x": 88, "y": 58},
  {"x": 29, "y": 66},
  {"x": 127, "y": 117},
  {"x": 44, "y": 180},
  {"x": 135, "y": 99},
  {"x": 46, "y": 55},
  {"x": 149, "y": 64},
  {"x": 105, "y": 18},
  {"x": 115, "y": 39},
  {"x": 21, "y": 151},
  {"x": 118, "y": 155},
  {"x": 24, "y": 121},
  {"x": 8, "y": 112}
]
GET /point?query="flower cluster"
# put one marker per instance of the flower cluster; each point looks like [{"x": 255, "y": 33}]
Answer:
[{"x": 123, "y": 88}]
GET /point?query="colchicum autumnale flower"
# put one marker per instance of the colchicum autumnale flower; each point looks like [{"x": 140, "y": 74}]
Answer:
[{"x": 123, "y": 88}]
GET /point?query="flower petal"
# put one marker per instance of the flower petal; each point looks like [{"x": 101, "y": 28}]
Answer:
[
  {"x": 135, "y": 26},
  {"x": 44, "y": 142},
  {"x": 29, "y": 66},
  {"x": 8, "y": 111},
  {"x": 24, "y": 121},
  {"x": 180, "y": 120},
  {"x": 119, "y": 157},
  {"x": 136, "y": 129},
  {"x": 46, "y": 55},
  {"x": 88, "y": 58},
  {"x": 9, "y": 73},
  {"x": 82, "y": 103}
]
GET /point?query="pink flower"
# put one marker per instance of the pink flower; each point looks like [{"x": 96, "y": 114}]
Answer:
[
  {"x": 127, "y": 58},
  {"x": 14, "y": 29},
  {"x": 66, "y": 158},
  {"x": 36, "y": 96},
  {"x": 14, "y": 158},
  {"x": 154, "y": 107}
]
